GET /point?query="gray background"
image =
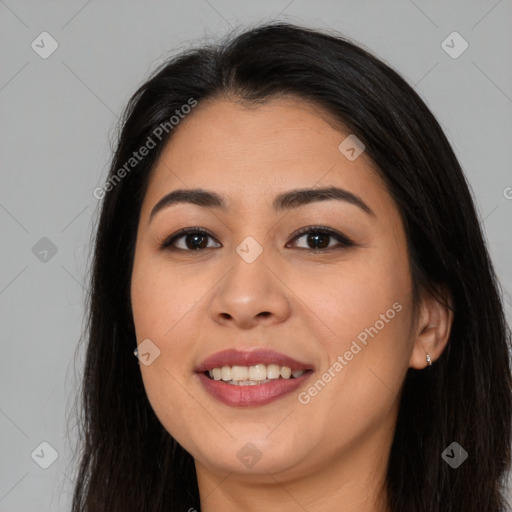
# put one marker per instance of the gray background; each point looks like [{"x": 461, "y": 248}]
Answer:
[{"x": 58, "y": 118}]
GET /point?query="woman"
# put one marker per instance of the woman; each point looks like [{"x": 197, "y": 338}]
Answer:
[{"x": 288, "y": 243}]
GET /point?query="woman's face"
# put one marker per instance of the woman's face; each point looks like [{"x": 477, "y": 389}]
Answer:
[{"x": 254, "y": 285}]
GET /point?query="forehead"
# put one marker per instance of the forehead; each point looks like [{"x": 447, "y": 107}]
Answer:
[{"x": 244, "y": 152}]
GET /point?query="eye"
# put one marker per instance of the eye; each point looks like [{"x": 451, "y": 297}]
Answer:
[
  {"x": 319, "y": 238},
  {"x": 194, "y": 239}
]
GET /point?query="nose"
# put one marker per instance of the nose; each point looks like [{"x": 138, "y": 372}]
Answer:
[{"x": 251, "y": 294}]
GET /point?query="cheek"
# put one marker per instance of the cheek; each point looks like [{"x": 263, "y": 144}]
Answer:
[
  {"x": 367, "y": 308},
  {"x": 161, "y": 302},
  {"x": 368, "y": 313},
  {"x": 354, "y": 298},
  {"x": 162, "y": 296}
]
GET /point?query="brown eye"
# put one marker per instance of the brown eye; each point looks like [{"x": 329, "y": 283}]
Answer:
[
  {"x": 319, "y": 238},
  {"x": 188, "y": 239}
]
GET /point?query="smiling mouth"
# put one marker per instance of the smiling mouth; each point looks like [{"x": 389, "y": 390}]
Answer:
[{"x": 253, "y": 375}]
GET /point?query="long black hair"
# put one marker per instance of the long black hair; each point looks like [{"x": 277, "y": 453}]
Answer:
[{"x": 128, "y": 461}]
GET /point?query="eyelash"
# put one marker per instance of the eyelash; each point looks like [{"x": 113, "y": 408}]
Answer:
[{"x": 344, "y": 242}]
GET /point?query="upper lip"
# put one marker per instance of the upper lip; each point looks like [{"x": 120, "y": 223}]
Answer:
[{"x": 233, "y": 357}]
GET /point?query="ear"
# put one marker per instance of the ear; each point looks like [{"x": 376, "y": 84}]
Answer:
[{"x": 435, "y": 318}]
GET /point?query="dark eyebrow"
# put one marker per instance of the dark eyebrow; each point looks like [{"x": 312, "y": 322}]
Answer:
[
  {"x": 194, "y": 196},
  {"x": 284, "y": 201},
  {"x": 300, "y": 197}
]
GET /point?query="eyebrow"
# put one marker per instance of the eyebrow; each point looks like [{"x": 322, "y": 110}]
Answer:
[{"x": 285, "y": 201}]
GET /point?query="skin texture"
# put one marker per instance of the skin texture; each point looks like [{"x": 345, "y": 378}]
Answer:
[{"x": 328, "y": 454}]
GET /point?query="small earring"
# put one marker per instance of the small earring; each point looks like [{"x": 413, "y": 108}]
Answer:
[{"x": 429, "y": 361}]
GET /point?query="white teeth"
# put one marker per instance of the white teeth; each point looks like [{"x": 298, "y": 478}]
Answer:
[
  {"x": 286, "y": 372},
  {"x": 247, "y": 382},
  {"x": 258, "y": 372},
  {"x": 273, "y": 371},
  {"x": 252, "y": 375},
  {"x": 239, "y": 373},
  {"x": 226, "y": 373}
]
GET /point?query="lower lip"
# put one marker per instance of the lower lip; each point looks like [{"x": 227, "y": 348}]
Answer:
[{"x": 251, "y": 396}]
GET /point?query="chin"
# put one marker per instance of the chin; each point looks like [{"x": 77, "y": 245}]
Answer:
[{"x": 253, "y": 455}]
